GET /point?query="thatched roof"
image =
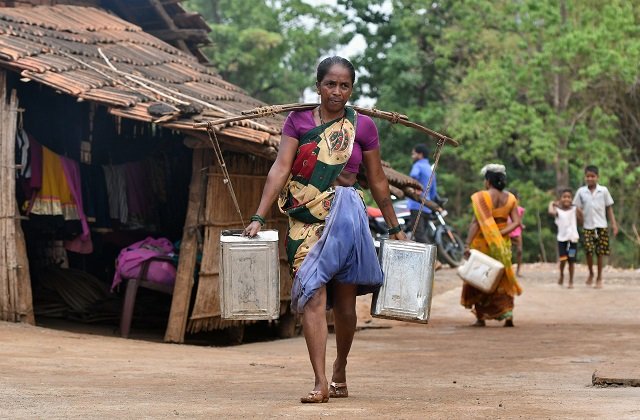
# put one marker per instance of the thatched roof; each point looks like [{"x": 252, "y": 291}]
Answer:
[{"x": 96, "y": 56}]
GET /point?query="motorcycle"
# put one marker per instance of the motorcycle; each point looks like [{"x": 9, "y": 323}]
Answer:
[{"x": 448, "y": 242}]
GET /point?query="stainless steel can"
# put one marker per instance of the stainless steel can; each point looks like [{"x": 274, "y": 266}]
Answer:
[
  {"x": 408, "y": 269},
  {"x": 250, "y": 275}
]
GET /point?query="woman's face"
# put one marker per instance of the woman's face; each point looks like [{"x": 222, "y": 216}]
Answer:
[{"x": 335, "y": 89}]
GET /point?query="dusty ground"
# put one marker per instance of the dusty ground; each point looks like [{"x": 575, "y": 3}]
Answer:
[{"x": 540, "y": 369}]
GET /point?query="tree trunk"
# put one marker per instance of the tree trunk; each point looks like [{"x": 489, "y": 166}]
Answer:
[{"x": 560, "y": 104}]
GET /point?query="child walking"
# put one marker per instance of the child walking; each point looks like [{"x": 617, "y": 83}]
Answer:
[
  {"x": 567, "y": 218},
  {"x": 516, "y": 234},
  {"x": 596, "y": 203}
]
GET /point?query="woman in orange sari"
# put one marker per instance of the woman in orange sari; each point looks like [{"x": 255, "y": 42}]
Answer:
[{"x": 489, "y": 234}]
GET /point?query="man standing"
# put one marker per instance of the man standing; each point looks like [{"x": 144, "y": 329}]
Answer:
[{"x": 421, "y": 171}]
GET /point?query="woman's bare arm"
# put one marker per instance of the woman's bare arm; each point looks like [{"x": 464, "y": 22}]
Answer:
[
  {"x": 277, "y": 177},
  {"x": 379, "y": 187}
]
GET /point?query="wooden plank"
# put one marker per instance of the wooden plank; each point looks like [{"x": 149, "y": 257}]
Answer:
[
  {"x": 629, "y": 376},
  {"x": 162, "y": 12},
  {"x": 188, "y": 251},
  {"x": 201, "y": 140}
]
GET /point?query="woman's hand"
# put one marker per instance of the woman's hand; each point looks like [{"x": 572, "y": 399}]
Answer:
[
  {"x": 400, "y": 236},
  {"x": 253, "y": 229}
]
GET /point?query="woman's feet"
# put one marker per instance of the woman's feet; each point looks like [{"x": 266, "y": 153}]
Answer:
[
  {"x": 315, "y": 397},
  {"x": 508, "y": 322},
  {"x": 479, "y": 323},
  {"x": 338, "y": 390},
  {"x": 338, "y": 386},
  {"x": 320, "y": 394}
]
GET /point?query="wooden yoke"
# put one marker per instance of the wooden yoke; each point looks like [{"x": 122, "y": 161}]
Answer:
[{"x": 266, "y": 111}]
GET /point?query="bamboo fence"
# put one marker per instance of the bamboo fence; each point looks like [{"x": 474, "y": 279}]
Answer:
[{"x": 15, "y": 289}]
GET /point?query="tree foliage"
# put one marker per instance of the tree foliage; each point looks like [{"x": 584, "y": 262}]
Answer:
[
  {"x": 543, "y": 86},
  {"x": 269, "y": 47}
]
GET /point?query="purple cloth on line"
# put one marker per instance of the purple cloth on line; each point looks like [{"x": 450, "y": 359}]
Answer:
[
  {"x": 345, "y": 252},
  {"x": 300, "y": 122},
  {"x": 82, "y": 243}
]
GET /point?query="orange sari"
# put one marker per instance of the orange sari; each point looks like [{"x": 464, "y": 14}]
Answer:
[{"x": 499, "y": 304}]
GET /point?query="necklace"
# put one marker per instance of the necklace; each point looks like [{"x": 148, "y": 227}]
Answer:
[{"x": 329, "y": 146}]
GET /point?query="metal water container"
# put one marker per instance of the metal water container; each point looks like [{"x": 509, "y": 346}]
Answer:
[
  {"x": 408, "y": 269},
  {"x": 249, "y": 275}
]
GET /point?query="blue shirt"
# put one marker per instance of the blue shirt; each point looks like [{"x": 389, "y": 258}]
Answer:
[{"x": 421, "y": 171}]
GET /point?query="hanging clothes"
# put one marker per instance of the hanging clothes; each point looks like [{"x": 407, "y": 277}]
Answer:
[
  {"x": 94, "y": 196},
  {"x": 115, "y": 177},
  {"x": 82, "y": 243},
  {"x": 139, "y": 198},
  {"x": 53, "y": 207},
  {"x": 23, "y": 154},
  {"x": 54, "y": 198}
]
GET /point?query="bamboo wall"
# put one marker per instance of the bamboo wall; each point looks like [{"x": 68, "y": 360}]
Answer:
[
  {"x": 248, "y": 176},
  {"x": 16, "y": 303}
]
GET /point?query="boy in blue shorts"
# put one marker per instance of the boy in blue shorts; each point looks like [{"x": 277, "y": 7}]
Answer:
[
  {"x": 596, "y": 204},
  {"x": 567, "y": 218}
]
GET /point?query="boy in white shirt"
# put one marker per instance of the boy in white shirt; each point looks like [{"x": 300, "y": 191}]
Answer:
[
  {"x": 597, "y": 205},
  {"x": 567, "y": 218}
]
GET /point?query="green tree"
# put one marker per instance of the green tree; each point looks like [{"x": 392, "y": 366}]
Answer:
[
  {"x": 543, "y": 86},
  {"x": 269, "y": 47}
]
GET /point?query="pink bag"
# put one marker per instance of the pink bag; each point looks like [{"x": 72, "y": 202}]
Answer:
[{"x": 130, "y": 259}]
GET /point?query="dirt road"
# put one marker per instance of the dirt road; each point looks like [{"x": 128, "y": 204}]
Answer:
[{"x": 540, "y": 369}]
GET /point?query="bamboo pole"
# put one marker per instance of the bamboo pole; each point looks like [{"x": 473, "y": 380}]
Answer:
[
  {"x": 265, "y": 111},
  {"x": 188, "y": 250},
  {"x": 6, "y": 163}
]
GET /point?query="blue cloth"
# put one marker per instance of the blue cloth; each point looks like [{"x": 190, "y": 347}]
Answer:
[
  {"x": 421, "y": 171},
  {"x": 345, "y": 252}
]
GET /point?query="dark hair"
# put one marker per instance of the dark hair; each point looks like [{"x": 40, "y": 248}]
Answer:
[
  {"x": 421, "y": 148},
  {"x": 561, "y": 191},
  {"x": 516, "y": 194},
  {"x": 326, "y": 64},
  {"x": 496, "y": 179},
  {"x": 591, "y": 168}
]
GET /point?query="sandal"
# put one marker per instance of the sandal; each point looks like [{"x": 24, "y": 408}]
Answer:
[
  {"x": 338, "y": 390},
  {"x": 315, "y": 397},
  {"x": 479, "y": 323}
]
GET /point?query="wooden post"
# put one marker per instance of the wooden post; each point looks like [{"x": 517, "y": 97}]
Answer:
[
  {"x": 188, "y": 250},
  {"x": 15, "y": 288},
  {"x": 25, "y": 297}
]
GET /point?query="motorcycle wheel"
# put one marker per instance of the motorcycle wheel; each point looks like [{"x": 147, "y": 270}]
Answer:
[{"x": 451, "y": 252}]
